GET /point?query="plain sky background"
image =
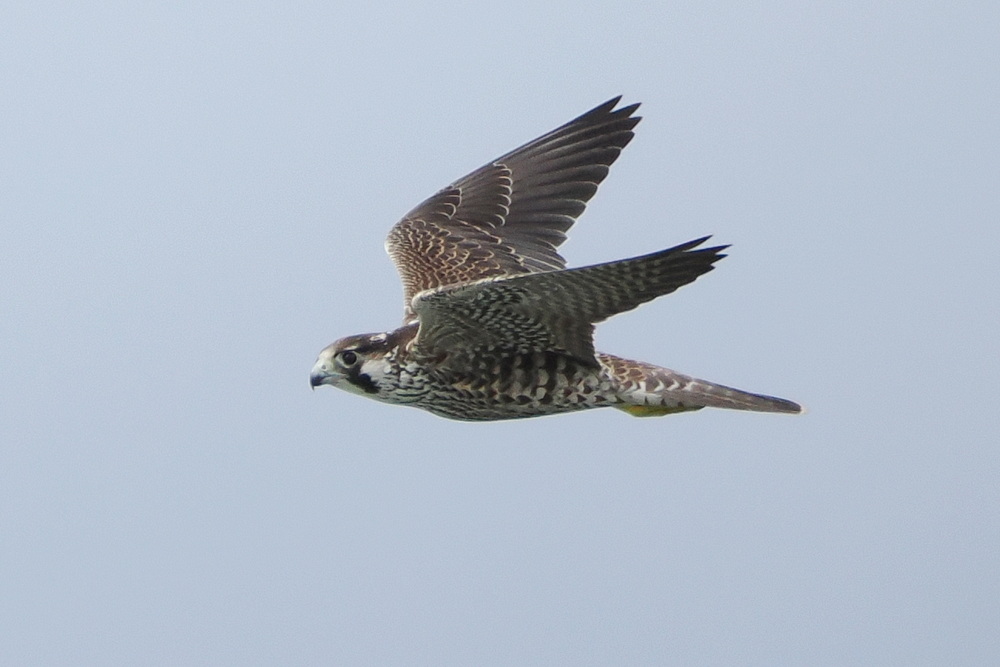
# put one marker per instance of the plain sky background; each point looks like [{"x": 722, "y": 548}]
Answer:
[{"x": 193, "y": 200}]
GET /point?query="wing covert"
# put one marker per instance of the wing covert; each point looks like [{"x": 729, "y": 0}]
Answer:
[{"x": 555, "y": 310}]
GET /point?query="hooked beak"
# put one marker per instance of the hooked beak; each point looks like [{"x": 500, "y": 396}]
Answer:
[
  {"x": 315, "y": 380},
  {"x": 322, "y": 373}
]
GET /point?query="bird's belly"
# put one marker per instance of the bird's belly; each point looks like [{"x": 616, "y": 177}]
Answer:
[{"x": 516, "y": 386}]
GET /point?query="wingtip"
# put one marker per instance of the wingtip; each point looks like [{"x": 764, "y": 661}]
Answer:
[
  {"x": 609, "y": 108},
  {"x": 693, "y": 246}
]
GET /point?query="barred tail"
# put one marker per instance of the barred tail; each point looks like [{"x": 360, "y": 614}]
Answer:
[{"x": 646, "y": 390}]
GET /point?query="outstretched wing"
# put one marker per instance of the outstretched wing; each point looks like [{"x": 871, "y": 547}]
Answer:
[
  {"x": 510, "y": 216},
  {"x": 555, "y": 310}
]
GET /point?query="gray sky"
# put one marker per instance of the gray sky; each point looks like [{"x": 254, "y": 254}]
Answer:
[{"x": 193, "y": 201}]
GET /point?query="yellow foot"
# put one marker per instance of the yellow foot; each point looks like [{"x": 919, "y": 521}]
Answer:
[{"x": 654, "y": 410}]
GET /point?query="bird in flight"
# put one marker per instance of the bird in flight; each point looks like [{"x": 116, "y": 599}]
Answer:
[{"x": 494, "y": 324}]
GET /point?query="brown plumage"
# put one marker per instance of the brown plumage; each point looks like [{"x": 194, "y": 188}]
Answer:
[
  {"x": 495, "y": 326},
  {"x": 511, "y": 215}
]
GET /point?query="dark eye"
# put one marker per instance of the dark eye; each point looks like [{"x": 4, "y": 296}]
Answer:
[{"x": 348, "y": 358}]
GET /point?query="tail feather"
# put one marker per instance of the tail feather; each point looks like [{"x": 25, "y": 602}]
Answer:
[
  {"x": 647, "y": 390},
  {"x": 712, "y": 395}
]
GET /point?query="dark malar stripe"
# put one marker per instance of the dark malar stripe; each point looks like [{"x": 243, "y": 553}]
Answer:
[{"x": 364, "y": 381}]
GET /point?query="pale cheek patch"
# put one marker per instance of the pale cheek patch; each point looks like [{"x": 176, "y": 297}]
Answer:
[
  {"x": 369, "y": 377},
  {"x": 375, "y": 369}
]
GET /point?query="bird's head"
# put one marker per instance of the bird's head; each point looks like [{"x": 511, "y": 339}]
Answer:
[{"x": 357, "y": 364}]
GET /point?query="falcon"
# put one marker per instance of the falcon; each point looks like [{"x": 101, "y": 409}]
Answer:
[{"x": 494, "y": 324}]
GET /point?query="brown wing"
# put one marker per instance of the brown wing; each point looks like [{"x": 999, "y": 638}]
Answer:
[
  {"x": 556, "y": 310},
  {"x": 510, "y": 216}
]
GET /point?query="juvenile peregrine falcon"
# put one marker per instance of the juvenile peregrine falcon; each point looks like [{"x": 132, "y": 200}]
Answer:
[{"x": 494, "y": 324}]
